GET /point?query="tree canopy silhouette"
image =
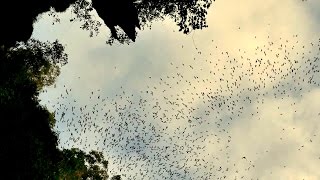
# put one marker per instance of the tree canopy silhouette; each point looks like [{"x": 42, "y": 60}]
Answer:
[
  {"x": 77, "y": 164},
  {"x": 122, "y": 16},
  {"x": 28, "y": 143},
  {"x": 26, "y": 137}
]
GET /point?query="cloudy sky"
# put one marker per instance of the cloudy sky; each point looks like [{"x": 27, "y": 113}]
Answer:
[{"x": 237, "y": 100}]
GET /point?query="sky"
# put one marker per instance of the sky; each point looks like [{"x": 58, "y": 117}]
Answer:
[{"x": 237, "y": 100}]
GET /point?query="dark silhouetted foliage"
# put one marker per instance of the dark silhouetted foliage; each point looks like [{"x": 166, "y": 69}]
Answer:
[
  {"x": 78, "y": 165},
  {"x": 28, "y": 143},
  {"x": 129, "y": 14},
  {"x": 121, "y": 16}
]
